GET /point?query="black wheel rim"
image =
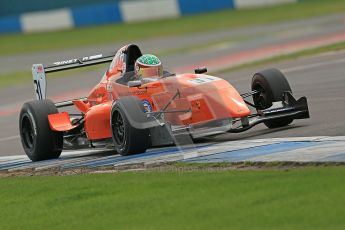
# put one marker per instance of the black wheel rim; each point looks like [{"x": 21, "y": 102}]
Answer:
[
  {"x": 28, "y": 134},
  {"x": 260, "y": 99},
  {"x": 119, "y": 130}
]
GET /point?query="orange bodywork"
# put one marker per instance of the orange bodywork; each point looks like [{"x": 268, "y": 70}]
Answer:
[
  {"x": 81, "y": 106},
  {"x": 60, "y": 122},
  {"x": 201, "y": 98},
  {"x": 97, "y": 121},
  {"x": 208, "y": 98}
]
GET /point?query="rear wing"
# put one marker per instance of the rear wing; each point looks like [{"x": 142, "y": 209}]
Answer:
[{"x": 39, "y": 71}]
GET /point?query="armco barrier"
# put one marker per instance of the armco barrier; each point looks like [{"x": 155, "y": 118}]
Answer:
[
  {"x": 47, "y": 20},
  {"x": 254, "y": 3},
  {"x": 115, "y": 11},
  {"x": 97, "y": 14},
  {"x": 10, "y": 24},
  {"x": 17, "y": 7},
  {"x": 140, "y": 10},
  {"x": 197, "y": 6}
]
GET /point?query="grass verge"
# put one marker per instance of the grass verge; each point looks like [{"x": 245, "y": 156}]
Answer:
[
  {"x": 19, "y": 43},
  {"x": 303, "y": 198}
]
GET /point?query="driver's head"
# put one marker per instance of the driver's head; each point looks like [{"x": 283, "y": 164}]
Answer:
[{"x": 148, "y": 66}]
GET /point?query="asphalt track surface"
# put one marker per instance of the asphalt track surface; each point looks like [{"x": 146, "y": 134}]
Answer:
[{"x": 319, "y": 78}]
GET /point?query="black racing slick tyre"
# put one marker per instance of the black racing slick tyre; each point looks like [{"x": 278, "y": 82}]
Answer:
[
  {"x": 271, "y": 83},
  {"x": 38, "y": 140},
  {"x": 128, "y": 140}
]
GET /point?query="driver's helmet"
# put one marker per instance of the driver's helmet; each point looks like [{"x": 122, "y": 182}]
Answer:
[{"x": 148, "y": 66}]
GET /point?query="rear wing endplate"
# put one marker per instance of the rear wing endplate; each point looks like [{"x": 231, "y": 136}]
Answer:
[{"x": 39, "y": 71}]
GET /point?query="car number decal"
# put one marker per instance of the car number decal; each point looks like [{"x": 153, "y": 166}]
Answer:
[{"x": 203, "y": 80}]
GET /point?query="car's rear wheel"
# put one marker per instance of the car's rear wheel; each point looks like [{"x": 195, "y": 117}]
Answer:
[
  {"x": 271, "y": 83},
  {"x": 38, "y": 140},
  {"x": 128, "y": 139}
]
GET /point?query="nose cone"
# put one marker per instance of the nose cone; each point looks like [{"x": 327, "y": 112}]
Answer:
[
  {"x": 233, "y": 102},
  {"x": 238, "y": 108},
  {"x": 211, "y": 97}
]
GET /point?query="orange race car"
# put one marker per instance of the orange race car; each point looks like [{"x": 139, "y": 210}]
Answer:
[{"x": 137, "y": 105}]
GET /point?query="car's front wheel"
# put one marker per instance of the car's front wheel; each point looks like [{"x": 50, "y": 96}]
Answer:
[
  {"x": 128, "y": 139},
  {"x": 271, "y": 84}
]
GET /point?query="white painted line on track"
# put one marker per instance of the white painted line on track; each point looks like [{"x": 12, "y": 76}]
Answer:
[
  {"x": 13, "y": 158},
  {"x": 308, "y": 154},
  {"x": 41, "y": 165},
  {"x": 9, "y": 138},
  {"x": 310, "y": 66},
  {"x": 313, "y": 149}
]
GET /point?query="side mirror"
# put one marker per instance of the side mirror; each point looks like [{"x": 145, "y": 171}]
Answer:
[
  {"x": 200, "y": 70},
  {"x": 136, "y": 83}
]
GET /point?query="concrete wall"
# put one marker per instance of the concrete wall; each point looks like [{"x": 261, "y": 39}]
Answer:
[{"x": 116, "y": 11}]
